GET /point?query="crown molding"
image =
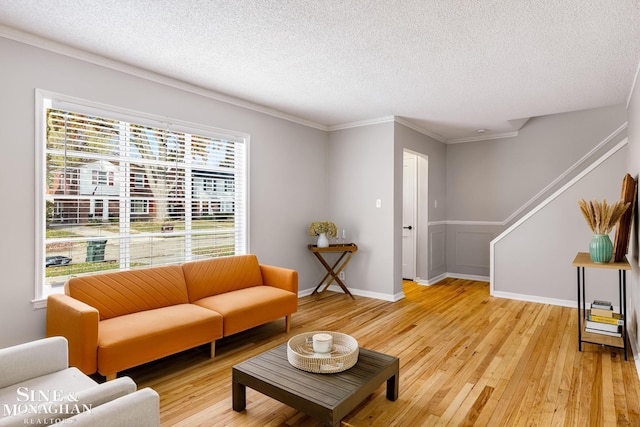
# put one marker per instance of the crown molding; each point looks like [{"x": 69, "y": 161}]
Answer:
[
  {"x": 361, "y": 123},
  {"x": 83, "y": 55},
  {"x": 92, "y": 58},
  {"x": 388, "y": 119},
  {"x": 483, "y": 137},
  {"x": 86, "y": 56},
  {"x": 420, "y": 129},
  {"x": 442, "y": 139}
]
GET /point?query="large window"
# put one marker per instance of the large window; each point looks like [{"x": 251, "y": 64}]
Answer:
[{"x": 119, "y": 191}]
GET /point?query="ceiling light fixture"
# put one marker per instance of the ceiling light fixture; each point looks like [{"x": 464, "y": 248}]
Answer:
[{"x": 481, "y": 130}]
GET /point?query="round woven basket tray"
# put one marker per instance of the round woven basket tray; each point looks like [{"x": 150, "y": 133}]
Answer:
[{"x": 344, "y": 353}]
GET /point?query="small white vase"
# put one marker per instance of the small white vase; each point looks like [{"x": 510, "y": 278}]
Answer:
[{"x": 323, "y": 240}]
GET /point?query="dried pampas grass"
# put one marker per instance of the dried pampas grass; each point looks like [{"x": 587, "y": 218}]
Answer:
[{"x": 602, "y": 217}]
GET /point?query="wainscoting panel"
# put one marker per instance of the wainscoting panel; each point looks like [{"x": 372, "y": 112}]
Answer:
[
  {"x": 471, "y": 248},
  {"x": 467, "y": 248},
  {"x": 437, "y": 250}
]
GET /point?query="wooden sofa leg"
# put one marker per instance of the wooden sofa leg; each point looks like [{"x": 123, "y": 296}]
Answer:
[
  {"x": 213, "y": 349},
  {"x": 287, "y": 323},
  {"x": 112, "y": 376}
]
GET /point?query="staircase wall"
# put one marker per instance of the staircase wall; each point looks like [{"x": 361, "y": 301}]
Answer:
[{"x": 531, "y": 260}]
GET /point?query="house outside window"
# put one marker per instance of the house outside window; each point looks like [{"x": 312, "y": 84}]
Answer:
[
  {"x": 119, "y": 191},
  {"x": 139, "y": 207},
  {"x": 138, "y": 180}
]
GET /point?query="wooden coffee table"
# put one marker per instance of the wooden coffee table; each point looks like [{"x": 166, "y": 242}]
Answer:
[{"x": 329, "y": 397}]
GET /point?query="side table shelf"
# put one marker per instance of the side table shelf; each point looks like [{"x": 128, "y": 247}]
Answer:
[{"x": 582, "y": 261}]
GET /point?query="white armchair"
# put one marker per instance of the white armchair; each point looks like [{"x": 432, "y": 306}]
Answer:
[{"x": 37, "y": 387}]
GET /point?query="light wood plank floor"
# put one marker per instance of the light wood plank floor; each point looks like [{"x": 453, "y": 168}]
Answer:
[{"x": 465, "y": 359}]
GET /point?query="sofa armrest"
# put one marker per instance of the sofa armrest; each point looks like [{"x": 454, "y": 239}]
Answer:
[
  {"x": 78, "y": 323},
  {"x": 104, "y": 392},
  {"x": 280, "y": 277},
  {"x": 71, "y": 405},
  {"x": 140, "y": 409},
  {"x": 33, "y": 359}
]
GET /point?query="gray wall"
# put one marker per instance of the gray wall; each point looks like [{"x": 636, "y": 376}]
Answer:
[
  {"x": 489, "y": 181},
  {"x": 360, "y": 171},
  {"x": 633, "y": 167},
  {"x": 430, "y": 258},
  {"x": 288, "y": 167},
  {"x": 533, "y": 260},
  {"x": 299, "y": 174}
]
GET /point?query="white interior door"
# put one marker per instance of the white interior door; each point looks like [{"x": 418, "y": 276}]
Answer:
[{"x": 409, "y": 192}]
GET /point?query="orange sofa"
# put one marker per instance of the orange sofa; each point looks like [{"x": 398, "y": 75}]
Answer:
[{"x": 114, "y": 321}]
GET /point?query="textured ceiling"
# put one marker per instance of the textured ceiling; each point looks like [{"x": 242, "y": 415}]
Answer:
[{"x": 446, "y": 66}]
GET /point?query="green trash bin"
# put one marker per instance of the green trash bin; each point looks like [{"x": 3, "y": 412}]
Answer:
[{"x": 95, "y": 250}]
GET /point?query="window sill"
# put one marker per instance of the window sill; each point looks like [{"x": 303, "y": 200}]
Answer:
[{"x": 40, "y": 303}]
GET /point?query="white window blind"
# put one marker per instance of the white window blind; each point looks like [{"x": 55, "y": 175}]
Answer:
[{"x": 123, "y": 194}]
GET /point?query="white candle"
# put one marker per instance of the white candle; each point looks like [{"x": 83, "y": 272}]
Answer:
[{"x": 322, "y": 343}]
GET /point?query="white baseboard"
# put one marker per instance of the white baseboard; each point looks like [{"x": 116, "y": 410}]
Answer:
[
  {"x": 534, "y": 298},
  {"x": 542, "y": 300},
  {"x": 443, "y": 276},
  {"x": 399, "y": 295},
  {"x": 305, "y": 292},
  {"x": 634, "y": 350},
  {"x": 468, "y": 277},
  {"x": 431, "y": 281},
  {"x": 359, "y": 292},
  {"x": 369, "y": 294}
]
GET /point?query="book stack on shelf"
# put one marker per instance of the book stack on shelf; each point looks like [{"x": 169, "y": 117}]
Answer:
[{"x": 601, "y": 319}]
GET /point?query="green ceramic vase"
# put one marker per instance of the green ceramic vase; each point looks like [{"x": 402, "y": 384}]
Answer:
[{"x": 601, "y": 248}]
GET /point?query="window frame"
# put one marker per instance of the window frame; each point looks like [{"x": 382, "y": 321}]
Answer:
[{"x": 46, "y": 99}]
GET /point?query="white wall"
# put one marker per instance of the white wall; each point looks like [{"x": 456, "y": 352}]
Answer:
[{"x": 288, "y": 167}]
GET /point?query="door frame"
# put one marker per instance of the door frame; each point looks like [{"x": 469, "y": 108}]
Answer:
[{"x": 421, "y": 214}]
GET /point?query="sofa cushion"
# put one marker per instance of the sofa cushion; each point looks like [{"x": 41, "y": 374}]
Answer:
[
  {"x": 249, "y": 307},
  {"x": 219, "y": 275},
  {"x": 125, "y": 292},
  {"x": 137, "y": 338}
]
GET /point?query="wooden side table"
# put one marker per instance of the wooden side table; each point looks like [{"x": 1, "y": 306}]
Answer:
[
  {"x": 582, "y": 261},
  {"x": 333, "y": 271}
]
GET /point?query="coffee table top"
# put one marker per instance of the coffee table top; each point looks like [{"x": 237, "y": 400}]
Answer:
[{"x": 316, "y": 393}]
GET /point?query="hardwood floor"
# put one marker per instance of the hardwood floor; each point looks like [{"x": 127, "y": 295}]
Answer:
[{"x": 465, "y": 359}]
